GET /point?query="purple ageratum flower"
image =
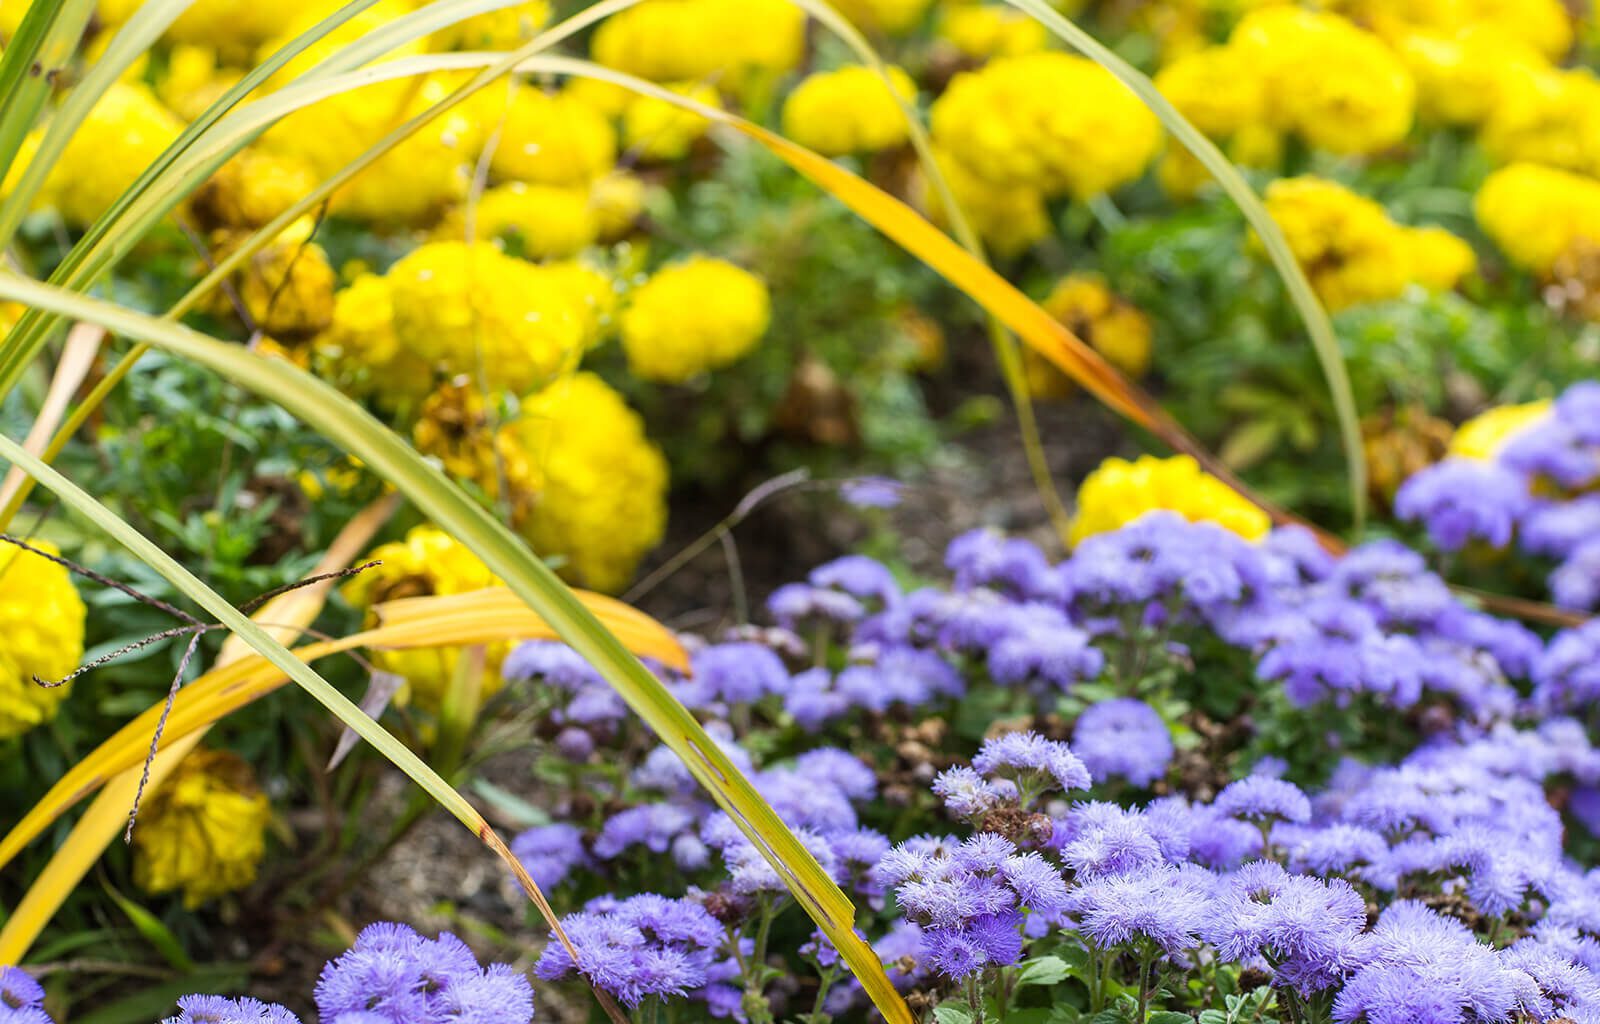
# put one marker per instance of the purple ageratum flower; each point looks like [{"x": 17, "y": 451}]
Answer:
[
  {"x": 1576, "y": 582},
  {"x": 795, "y": 604},
  {"x": 1464, "y": 500},
  {"x": 1099, "y": 839},
  {"x": 985, "y": 558},
  {"x": 22, "y": 998},
  {"x": 641, "y": 947},
  {"x": 1556, "y": 528},
  {"x": 967, "y": 794},
  {"x": 550, "y": 852},
  {"x": 1555, "y": 449},
  {"x": 1039, "y": 647},
  {"x": 1123, "y": 738},
  {"x": 1161, "y": 903},
  {"x": 553, "y": 662},
  {"x": 812, "y": 700},
  {"x": 736, "y": 673},
  {"x": 872, "y": 492},
  {"x": 654, "y": 826},
  {"x": 1337, "y": 650},
  {"x": 840, "y": 770},
  {"x": 1259, "y": 797},
  {"x": 1567, "y": 677},
  {"x": 1579, "y": 405},
  {"x": 201, "y": 1009},
  {"x": 664, "y": 771},
  {"x": 1336, "y": 850},
  {"x": 393, "y": 972},
  {"x": 863, "y": 578},
  {"x": 1311, "y": 930},
  {"x": 898, "y": 950},
  {"x": 1029, "y": 757},
  {"x": 1293, "y": 557}
]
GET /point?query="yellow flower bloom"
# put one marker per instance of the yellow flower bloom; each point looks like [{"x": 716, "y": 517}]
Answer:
[
  {"x": 1352, "y": 251},
  {"x": 192, "y": 80},
  {"x": 546, "y": 220},
  {"x": 982, "y": 31},
  {"x": 691, "y": 40},
  {"x": 124, "y": 133},
  {"x": 1007, "y": 219},
  {"x": 1007, "y": 124},
  {"x": 503, "y": 29},
  {"x": 1118, "y": 492},
  {"x": 203, "y": 831},
  {"x": 883, "y": 16},
  {"x": 587, "y": 484},
  {"x": 553, "y": 139},
  {"x": 691, "y": 317},
  {"x": 1535, "y": 214},
  {"x": 1115, "y": 328},
  {"x": 1485, "y": 434},
  {"x": 594, "y": 292},
  {"x": 1216, "y": 89},
  {"x": 850, "y": 110},
  {"x": 427, "y": 562},
  {"x": 252, "y": 188},
  {"x": 237, "y": 28},
  {"x": 657, "y": 130},
  {"x": 360, "y": 352},
  {"x": 1460, "y": 78},
  {"x": 41, "y": 619},
  {"x": 617, "y": 200},
  {"x": 472, "y": 309},
  {"x": 1548, "y": 116}
]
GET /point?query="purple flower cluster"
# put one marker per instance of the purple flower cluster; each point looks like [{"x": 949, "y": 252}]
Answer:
[
  {"x": 21, "y": 998},
  {"x": 1537, "y": 493},
  {"x": 641, "y": 947},
  {"x": 221, "y": 1010},
  {"x": 393, "y": 974},
  {"x": 1123, "y": 738}
]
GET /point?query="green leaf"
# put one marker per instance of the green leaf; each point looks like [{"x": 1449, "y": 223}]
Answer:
[
  {"x": 159, "y": 1000},
  {"x": 1043, "y": 970},
  {"x": 1170, "y": 1017},
  {"x": 40, "y": 48},
  {"x": 1212, "y": 1015},
  {"x": 154, "y": 931},
  {"x": 950, "y": 1013}
]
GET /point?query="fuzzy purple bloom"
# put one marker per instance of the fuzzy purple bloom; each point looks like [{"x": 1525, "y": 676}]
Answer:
[
  {"x": 1123, "y": 738},
  {"x": 550, "y": 852},
  {"x": 1464, "y": 500}
]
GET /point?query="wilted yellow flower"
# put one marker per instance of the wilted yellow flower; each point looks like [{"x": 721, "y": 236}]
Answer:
[
  {"x": 1352, "y": 251},
  {"x": 472, "y": 309},
  {"x": 1534, "y": 213},
  {"x": 850, "y": 110},
  {"x": 692, "y": 317},
  {"x": 546, "y": 220},
  {"x": 1113, "y": 327},
  {"x": 124, "y": 133},
  {"x": 252, "y": 188},
  {"x": 586, "y": 484},
  {"x": 288, "y": 289},
  {"x": 657, "y": 130},
  {"x": 1119, "y": 491},
  {"x": 883, "y": 16},
  {"x": 691, "y": 40},
  {"x": 982, "y": 31},
  {"x": 553, "y": 139},
  {"x": 203, "y": 831},
  {"x": 1008, "y": 123},
  {"x": 1485, "y": 434},
  {"x": 41, "y": 619},
  {"x": 1008, "y": 220}
]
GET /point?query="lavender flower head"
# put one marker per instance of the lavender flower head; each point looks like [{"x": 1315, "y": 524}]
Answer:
[
  {"x": 641, "y": 947},
  {"x": 202, "y": 1009},
  {"x": 550, "y": 852},
  {"x": 401, "y": 977},
  {"x": 1464, "y": 500},
  {"x": 736, "y": 673},
  {"x": 863, "y": 578},
  {"x": 1567, "y": 677},
  {"x": 872, "y": 492},
  {"x": 1258, "y": 797},
  {"x": 1576, "y": 582},
  {"x": 1032, "y": 762},
  {"x": 1123, "y": 738},
  {"x": 21, "y": 998}
]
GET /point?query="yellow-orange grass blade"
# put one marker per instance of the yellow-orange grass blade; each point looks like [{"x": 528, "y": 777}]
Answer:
[{"x": 472, "y": 618}]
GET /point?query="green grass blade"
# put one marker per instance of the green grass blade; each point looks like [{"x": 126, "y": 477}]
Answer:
[
  {"x": 1305, "y": 301},
  {"x": 130, "y": 42},
  {"x": 44, "y": 42},
  {"x": 346, "y": 424}
]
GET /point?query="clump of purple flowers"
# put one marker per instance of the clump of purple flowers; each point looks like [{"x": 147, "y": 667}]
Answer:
[
  {"x": 641, "y": 947},
  {"x": 1123, "y": 738},
  {"x": 393, "y": 974},
  {"x": 220, "y": 1010}
]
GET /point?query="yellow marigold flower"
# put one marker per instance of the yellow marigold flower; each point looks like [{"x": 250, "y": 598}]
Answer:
[
  {"x": 359, "y": 349},
  {"x": 1485, "y": 434},
  {"x": 982, "y": 31},
  {"x": 472, "y": 309},
  {"x": 41, "y": 618},
  {"x": 885, "y": 16},
  {"x": 587, "y": 484},
  {"x": 1352, "y": 251},
  {"x": 124, "y": 133},
  {"x": 592, "y": 291},
  {"x": 192, "y": 80},
  {"x": 553, "y": 139},
  {"x": 1534, "y": 213},
  {"x": 601, "y": 96},
  {"x": 1548, "y": 116},
  {"x": 850, "y": 110},
  {"x": 1542, "y": 25},
  {"x": 503, "y": 29},
  {"x": 691, "y": 317},
  {"x": 237, "y": 28},
  {"x": 1216, "y": 89},
  {"x": 428, "y": 562},
  {"x": 1008, "y": 124},
  {"x": 203, "y": 831},
  {"x": 617, "y": 200},
  {"x": 288, "y": 289},
  {"x": 545, "y": 220},
  {"x": 689, "y": 40},
  {"x": 1118, "y": 492},
  {"x": 657, "y": 130},
  {"x": 1360, "y": 98},
  {"x": 1007, "y": 219},
  {"x": 1115, "y": 327},
  {"x": 251, "y": 189},
  {"x": 1461, "y": 77}
]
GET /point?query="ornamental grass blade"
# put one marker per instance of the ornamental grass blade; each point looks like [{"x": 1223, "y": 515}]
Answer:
[
  {"x": 344, "y": 423},
  {"x": 245, "y": 678},
  {"x": 77, "y": 359},
  {"x": 1318, "y": 326},
  {"x": 266, "y": 644},
  {"x": 43, "y": 44}
]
